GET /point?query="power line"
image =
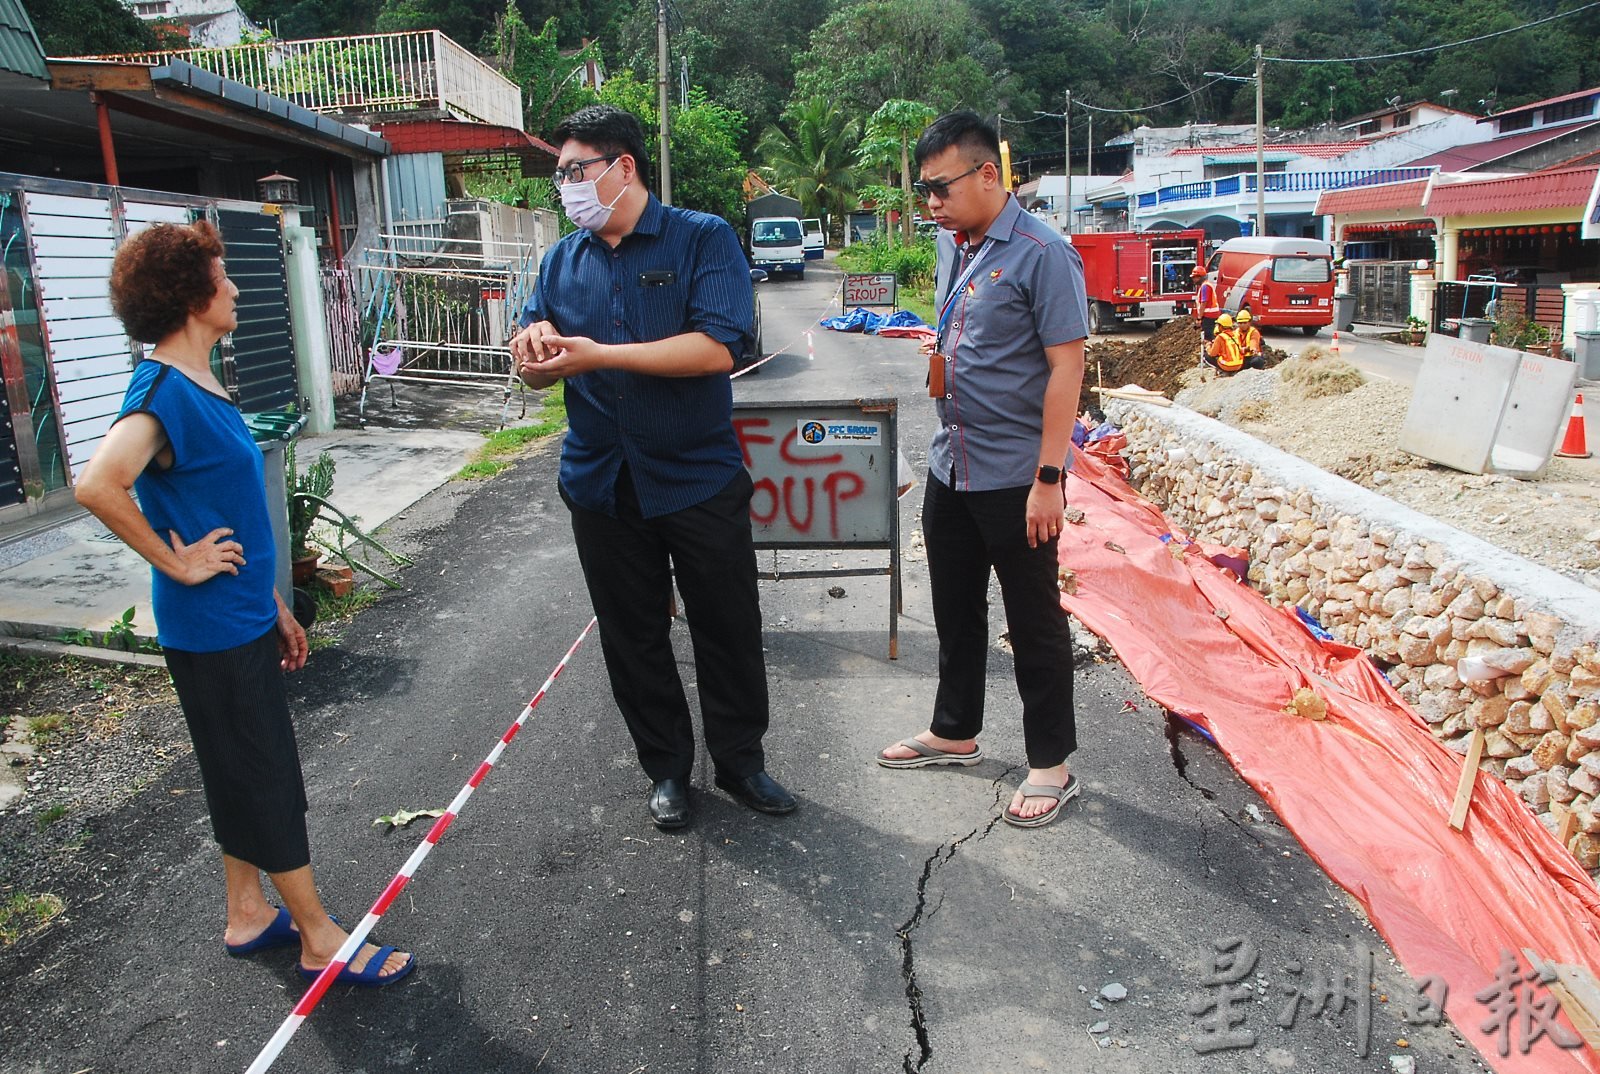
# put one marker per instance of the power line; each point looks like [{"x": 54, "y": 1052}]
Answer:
[{"x": 1437, "y": 48}]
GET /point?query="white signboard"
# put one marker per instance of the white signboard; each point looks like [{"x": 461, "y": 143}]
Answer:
[{"x": 869, "y": 289}]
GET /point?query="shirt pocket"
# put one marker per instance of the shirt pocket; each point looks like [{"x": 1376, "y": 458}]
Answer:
[
  {"x": 994, "y": 313},
  {"x": 658, "y": 310}
]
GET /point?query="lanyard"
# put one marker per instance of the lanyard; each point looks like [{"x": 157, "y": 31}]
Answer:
[{"x": 956, "y": 288}]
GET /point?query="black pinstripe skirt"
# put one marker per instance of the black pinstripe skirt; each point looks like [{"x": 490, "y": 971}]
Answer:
[{"x": 238, "y": 715}]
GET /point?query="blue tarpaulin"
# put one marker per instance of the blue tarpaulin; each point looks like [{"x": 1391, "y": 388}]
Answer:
[{"x": 860, "y": 320}]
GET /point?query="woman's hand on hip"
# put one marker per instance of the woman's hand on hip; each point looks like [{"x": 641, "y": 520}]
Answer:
[{"x": 208, "y": 557}]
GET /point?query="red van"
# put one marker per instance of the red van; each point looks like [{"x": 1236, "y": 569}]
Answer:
[{"x": 1283, "y": 282}]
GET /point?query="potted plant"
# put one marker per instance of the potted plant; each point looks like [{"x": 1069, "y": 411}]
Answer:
[
  {"x": 307, "y": 491},
  {"x": 1418, "y": 329}
]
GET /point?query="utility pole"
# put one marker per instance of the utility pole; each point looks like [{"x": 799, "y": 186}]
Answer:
[
  {"x": 662, "y": 100},
  {"x": 1088, "y": 168},
  {"x": 1261, "y": 156},
  {"x": 1066, "y": 128}
]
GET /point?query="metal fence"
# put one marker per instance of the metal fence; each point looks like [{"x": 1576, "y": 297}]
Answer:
[
  {"x": 343, "y": 313},
  {"x": 1454, "y": 299},
  {"x": 420, "y": 69}
]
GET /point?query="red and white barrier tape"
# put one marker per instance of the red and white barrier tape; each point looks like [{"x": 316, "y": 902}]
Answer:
[{"x": 308, "y": 1002}]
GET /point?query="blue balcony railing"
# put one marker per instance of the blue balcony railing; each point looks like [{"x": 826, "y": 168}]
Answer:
[{"x": 1279, "y": 183}]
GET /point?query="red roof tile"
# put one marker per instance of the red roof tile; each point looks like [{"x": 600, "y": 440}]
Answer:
[
  {"x": 1399, "y": 196},
  {"x": 1559, "y": 188},
  {"x": 1320, "y": 150},
  {"x": 453, "y": 136},
  {"x": 1465, "y": 157}
]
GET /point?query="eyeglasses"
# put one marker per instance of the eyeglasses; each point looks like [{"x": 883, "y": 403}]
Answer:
[
  {"x": 940, "y": 188},
  {"x": 573, "y": 173}
]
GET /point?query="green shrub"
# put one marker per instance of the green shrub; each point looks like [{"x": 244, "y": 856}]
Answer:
[{"x": 913, "y": 265}]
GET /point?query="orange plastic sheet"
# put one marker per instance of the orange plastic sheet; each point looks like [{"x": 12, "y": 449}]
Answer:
[{"x": 1367, "y": 791}]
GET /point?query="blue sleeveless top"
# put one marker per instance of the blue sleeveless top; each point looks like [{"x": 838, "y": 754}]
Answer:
[{"x": 214, "y": 481}]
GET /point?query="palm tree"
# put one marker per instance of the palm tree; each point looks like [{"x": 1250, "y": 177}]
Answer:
[
  {"x": 813, "y": 160},
  {"x": 897, "y": 123}
]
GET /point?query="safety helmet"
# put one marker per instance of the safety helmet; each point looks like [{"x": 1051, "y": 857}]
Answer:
[
  {"x": 1244, "y": 316},
  {"x": 1199, "y": 273},
  {"x": 1224, "y": 321}
]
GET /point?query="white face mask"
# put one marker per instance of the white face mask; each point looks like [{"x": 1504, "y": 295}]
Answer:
[{"x": 582, "y": 203}]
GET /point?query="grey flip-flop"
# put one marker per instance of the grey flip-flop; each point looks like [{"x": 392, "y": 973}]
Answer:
[
  {"x": 1033, "y": 790},
  {"x": 927, "y": 756}
]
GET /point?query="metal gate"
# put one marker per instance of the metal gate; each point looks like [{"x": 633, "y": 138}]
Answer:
[
  {"x": 263, "y": 348},
  {"x": 1382, "y": 290},
  {"x": 1454, "y": 299}
]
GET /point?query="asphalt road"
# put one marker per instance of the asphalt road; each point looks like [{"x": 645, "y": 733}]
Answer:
[{"x": 891, "y": 924}]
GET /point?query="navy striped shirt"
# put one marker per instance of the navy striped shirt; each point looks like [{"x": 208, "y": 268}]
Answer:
[{"x": 678, "y": 271}]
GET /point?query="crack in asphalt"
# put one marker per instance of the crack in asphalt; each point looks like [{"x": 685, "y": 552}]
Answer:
[
  {"x": 1181, "y": 763},
  {"x": 908, "y": 963}
]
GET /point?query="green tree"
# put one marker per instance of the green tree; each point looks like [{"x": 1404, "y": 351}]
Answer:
[
  {"x": 89, "y": 27},
  {"x": 551, "y": 83},
  {"x": 811, "y": 157},
  {"x": 707, "y": 170},
  {"x": 931, "y": 51},
  {"x": 741, "y": 52},
  {"x": 901, "y": 123}
]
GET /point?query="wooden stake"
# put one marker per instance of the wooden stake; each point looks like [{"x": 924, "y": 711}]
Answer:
[{"x": 1469, "y": 774}]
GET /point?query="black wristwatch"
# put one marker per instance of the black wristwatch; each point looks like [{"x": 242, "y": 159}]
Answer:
[{"x": 1051, "y": 475}]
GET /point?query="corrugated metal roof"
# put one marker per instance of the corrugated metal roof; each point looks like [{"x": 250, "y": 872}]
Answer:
[
  {"x": 1560, "y": 188},
  {"x": 201, "y": 81},
  {"x": 20, "y": 51},
  {"x": 1465, "y": 157},
  {"x": 1540, "y": 104},
  {"x": 1406, "y": 195}
]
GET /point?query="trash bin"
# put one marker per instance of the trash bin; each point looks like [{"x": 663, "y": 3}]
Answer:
[
  {"x": 1475, "y": 329},
  {"x": 273, "y": 430},
  {"x": 1344, "y": 312},
  {"x": 1586, "y": 354}
]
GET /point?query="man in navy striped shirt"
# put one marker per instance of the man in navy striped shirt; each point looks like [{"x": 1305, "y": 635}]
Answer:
[{"x": 643, "y": 311}]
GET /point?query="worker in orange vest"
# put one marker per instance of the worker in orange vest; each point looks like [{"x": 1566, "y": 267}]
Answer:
[
  {"x": 1207, "y": 308},
  {"x": 1250, "y": 341},
  {"x": 1223, "y": 352}
]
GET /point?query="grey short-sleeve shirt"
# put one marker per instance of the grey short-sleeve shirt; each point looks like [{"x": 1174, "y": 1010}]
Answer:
[{"x": 1026, "y": 294}]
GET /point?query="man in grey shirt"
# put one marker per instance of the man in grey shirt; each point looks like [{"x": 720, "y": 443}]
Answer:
[{"x": 1005, "y": 371}]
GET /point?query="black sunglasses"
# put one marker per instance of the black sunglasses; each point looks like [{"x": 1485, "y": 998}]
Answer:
[
  {"x": 941, "y": 187},
  {"x": 573, "y": 173}
]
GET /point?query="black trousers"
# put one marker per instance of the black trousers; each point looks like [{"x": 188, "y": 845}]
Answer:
[
  {"x": 629, "y": 562},
  {"x": 238, "y": 715},
  {"x": 967, "y": 534}
]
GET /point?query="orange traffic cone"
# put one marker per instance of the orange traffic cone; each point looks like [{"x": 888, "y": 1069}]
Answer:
[
  {"x": 1335, "y": 347},
  {"x": 1576, "y": 444}
]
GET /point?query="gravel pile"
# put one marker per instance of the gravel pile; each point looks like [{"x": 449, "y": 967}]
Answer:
[{"x": 1554, "y": 521}]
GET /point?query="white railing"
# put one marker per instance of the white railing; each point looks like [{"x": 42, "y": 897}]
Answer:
[{"x": 417, "y": 70}]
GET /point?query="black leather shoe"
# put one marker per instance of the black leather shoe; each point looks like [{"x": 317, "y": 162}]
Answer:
[
  {"x": 760, "y": 792},
  {"x": 669, "y": 803}
]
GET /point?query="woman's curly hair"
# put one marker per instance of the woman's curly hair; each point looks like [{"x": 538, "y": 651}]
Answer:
[{"x": 163, "y": 274}]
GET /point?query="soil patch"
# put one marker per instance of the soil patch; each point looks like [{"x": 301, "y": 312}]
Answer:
[{"x": 1156, "y": 363}]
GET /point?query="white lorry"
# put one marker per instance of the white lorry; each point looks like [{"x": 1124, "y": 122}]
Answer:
[{"x": 777, "y": 245}]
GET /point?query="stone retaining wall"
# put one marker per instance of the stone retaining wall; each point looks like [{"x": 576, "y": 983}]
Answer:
[{"x": 1473, "y": 636}]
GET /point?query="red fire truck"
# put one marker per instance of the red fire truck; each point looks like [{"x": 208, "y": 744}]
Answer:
[{"x": 1138, "y": 275}]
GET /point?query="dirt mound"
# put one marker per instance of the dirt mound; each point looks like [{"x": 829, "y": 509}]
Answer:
[
  {"x": 1316, "y": 374},
  {"x": 1156, "y": 363}
]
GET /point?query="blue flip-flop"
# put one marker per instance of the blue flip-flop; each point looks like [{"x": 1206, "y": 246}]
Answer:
[
  {"x": 281, "y": 933},
  {"x": 371, "y": 976}
]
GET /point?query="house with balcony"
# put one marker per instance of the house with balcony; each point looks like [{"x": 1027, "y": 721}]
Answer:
[
  {"x": 442, "y": 109},
  {"x": 1217, "y": 183}
]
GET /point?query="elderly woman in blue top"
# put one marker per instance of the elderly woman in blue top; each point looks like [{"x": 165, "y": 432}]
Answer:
[{"x": 201, "y": 520}]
